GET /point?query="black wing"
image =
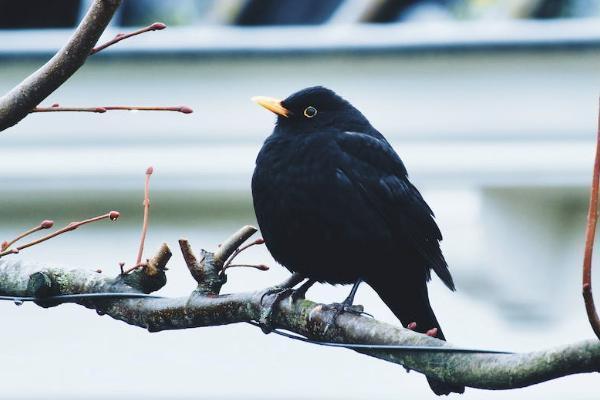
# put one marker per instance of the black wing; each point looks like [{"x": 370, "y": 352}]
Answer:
[{"x": 375, "y": 169}]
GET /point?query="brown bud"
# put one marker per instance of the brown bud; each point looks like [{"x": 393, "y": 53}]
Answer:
[
  {"x": 55, "y": 105},
  {"x": 149, "y": 170},
  {"x": 4, "y": 245},
  {"x": 47, "y": 224},
  {"x": 412, "y": 326},
  {"x": 259, "y": 241},
  {"x": 157, "y": 26},
  {"x": 262, "y": 267},
  {"x": 114, "y": 215},
  {"x": 185, "y": 110},
  {"x": 100, "y": 110}
]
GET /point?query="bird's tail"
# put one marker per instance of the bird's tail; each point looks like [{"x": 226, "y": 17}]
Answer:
[{"x": 410, "y": 303}]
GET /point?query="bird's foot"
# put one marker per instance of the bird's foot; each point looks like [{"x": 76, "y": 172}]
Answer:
[
  {"x": 300, "y": 293},
  {"x": 269, "y": 300},
  {"x": 338, "y": 309},
  {"x": 272, "y": 296}
]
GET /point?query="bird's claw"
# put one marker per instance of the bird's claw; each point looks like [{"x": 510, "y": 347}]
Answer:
[
  {"x": 341, "y": 308},
  {"x": 269, "y": 300},
  {"x": 296, "y": 296}
]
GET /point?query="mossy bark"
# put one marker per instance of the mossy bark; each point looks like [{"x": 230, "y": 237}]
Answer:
[{"x": 485, "y": 371}]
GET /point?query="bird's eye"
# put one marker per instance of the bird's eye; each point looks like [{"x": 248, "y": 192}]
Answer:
[{"x": 310, "y": 112}]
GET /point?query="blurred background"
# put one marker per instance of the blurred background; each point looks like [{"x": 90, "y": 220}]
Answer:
[{"x": 491, "y": 104}]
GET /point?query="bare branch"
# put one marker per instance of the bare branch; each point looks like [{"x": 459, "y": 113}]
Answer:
[
  {"x": 232, "y": 243},
  {"x": 146, "y": 205},
  {"x": 157, "y": 26},
  {"x": 46, "y": 224},
  {"x": 240, "y": 249},
  {"x": 112, "y": 215},
  {"x": 159, "y": 262},
  {"x": 191, "y": 260},
  {"x": 590, "y": 234},
  {"x": 16, "y": 104},
  {"x": 103, "y": 109},
  {"x": 304, "y": 317},
  {"x": 260, "y": 267}
]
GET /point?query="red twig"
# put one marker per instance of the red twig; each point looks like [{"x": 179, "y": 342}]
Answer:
[
  {"x": 260, "y": 267},
  {"x": 121, "y": 36},
  {"x": 237, "y": 251},
  {"x": 592, "y": 220},
  {"x": 125, "y": 271},
  {"x": 56, "y": 108},
  {"x": 146, "y": 204},
  {"x": 112, "y": 215},
  {"x": 46, "y": 224},
  {"x": 157, "y": 26}
]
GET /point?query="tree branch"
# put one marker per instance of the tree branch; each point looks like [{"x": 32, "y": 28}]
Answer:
[
  {"x": 206, "y": 308},
  {"x": 111, "y": 215},
  {"x": 103, "y": 109},
  {"x": 16, "y": 104},
  {"x": 590, "y": 234},
  {"x": 157, "y": 26}
]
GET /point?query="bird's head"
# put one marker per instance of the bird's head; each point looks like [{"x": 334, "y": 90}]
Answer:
[{"x": 312, "y": 110}]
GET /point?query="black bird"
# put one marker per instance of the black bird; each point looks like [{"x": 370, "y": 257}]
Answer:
[{"x": 334, "y": 204}]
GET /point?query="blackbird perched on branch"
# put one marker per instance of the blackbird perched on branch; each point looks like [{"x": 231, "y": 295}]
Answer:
[{"x": 334, "y": 204}]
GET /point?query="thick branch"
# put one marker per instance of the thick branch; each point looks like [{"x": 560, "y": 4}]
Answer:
[
  {"x": 304, "y": 317},
  {"x": 16, "y": 104}
]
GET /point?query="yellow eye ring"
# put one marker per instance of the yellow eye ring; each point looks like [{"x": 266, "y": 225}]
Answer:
[{"x": 310, "y": 112}]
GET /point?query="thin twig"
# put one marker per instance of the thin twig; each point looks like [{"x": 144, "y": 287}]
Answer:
[
  {"x": 157, "y": 26},
  {"x": 146, "y": 204},
  {"x": 125, "y": 271},
  {"x": 112, "y": 215},
  {"x": 103, "y": 109},
  {"x": 592, "y": 220},
  {"x": 46, "y": 224},
  {"x": 232, "y": 243},
  {"x": 227, "y": 264},
  {"x": 260, "y": 267}
]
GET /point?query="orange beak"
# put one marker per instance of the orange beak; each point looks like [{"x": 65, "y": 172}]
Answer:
[{"x": 272, "y": 104}]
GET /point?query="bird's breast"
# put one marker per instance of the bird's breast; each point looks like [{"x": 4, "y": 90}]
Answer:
[{"x": 305, "y": 205}]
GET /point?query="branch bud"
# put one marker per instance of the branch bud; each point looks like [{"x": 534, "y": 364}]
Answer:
[
  {"x": 47, "y": 224},
  {"x": 157, "y": 26}
]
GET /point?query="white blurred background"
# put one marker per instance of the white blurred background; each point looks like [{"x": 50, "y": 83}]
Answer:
[{"x": 491, "y": 104}]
